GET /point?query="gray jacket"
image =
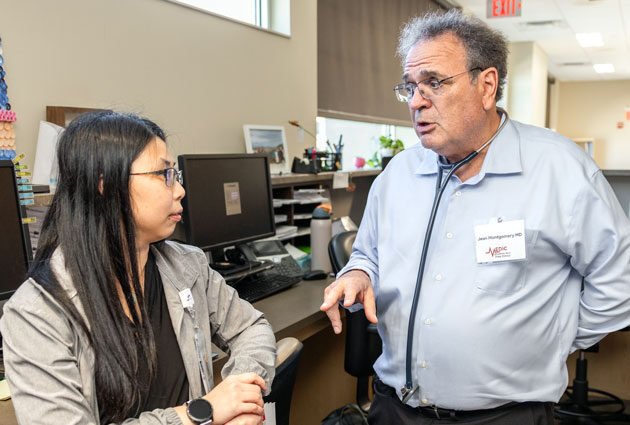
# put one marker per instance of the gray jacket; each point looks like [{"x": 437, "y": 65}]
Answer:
[{"x": 50, "y": 366}]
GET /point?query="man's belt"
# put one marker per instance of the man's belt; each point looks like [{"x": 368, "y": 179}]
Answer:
[{"x": 435, "y": 412}]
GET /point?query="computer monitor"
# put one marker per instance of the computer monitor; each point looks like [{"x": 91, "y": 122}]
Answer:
[
  {"x": 15, "y": 250},
  {"x": 228, "y": 200}
]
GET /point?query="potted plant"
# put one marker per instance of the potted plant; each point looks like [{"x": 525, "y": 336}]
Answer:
[{"x": 389, "y": 148}]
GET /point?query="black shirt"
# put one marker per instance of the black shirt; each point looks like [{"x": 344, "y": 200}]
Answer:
[{"x": 169, "y": 387}]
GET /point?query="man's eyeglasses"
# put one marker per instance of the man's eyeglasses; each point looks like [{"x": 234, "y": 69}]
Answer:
[
  {"x": 170, "y": 175},
  {"x": 429, "y": 88}
]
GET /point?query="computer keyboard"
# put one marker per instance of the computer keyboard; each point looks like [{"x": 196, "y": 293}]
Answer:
[
  {"x": 287, "y": 267},
  {"x": 263, "y": 284}
]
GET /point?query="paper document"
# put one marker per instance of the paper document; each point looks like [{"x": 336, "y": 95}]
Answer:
[{"x": 340, "y": 180}]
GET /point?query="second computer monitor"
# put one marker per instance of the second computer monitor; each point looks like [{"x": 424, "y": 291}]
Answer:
[
  {"x": 228, "y": 199},
  {"x": 14, "y": 246}
]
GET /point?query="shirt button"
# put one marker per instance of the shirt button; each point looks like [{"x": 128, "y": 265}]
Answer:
[
  {"x": 423, "y": 364},
  {"x": 449, "y": 235},
  {"x": 425, "y": 401},
  {"x": 438, "y": 276},
  {"x": 427, "y": 321},
  {"x": 458, "y": 193}
]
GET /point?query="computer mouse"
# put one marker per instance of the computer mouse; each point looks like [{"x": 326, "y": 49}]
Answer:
[{"x": 315, "y": 275}]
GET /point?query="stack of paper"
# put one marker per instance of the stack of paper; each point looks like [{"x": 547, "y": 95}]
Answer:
[
  {"x": 280, "y": 218},
  {"x": 311, "y": 196},
  {"x": 285, "y": 231},
  {"x": 280, "y": 202}
]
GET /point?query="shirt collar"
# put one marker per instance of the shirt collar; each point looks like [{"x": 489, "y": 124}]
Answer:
[{"x": 503, "y": 157}]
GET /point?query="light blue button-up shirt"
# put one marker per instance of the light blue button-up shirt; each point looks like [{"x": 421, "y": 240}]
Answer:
[{"x": 487, "y": 334}]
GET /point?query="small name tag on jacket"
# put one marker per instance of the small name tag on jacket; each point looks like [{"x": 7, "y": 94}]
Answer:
[{"x": 500, "y": 241}]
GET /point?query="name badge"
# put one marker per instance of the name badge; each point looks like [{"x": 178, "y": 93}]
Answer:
[
  {"x": 500, "y": 241},
  {"x": 187, "y": 299}
]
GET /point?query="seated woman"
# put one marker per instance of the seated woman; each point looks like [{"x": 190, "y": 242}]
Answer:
[{"x": 114, "y": 322}]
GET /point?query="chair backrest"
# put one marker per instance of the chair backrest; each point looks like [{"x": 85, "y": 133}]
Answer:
[
  {"x": 362, "y": 347},
  {"x": 340, "y": 248},
  {"x": 287, "y": 361}
]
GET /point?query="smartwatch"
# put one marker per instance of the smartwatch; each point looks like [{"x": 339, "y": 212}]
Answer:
[{"x": 199, "y": 411}]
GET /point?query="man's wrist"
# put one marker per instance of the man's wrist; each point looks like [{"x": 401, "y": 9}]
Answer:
[{"x": 355, "y": 271}]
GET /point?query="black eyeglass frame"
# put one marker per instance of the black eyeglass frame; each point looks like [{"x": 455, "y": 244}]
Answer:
[
  {"x": 433, "y": 81},
  {"x": 176, "y": 175}
]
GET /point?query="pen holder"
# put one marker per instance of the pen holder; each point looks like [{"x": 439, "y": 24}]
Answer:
[
  {"x": 333, "y": 161},
  {"x": 303, "y": 166}
]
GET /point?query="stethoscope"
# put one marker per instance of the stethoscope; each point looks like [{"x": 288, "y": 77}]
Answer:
[{"x": 408, "y": 391}]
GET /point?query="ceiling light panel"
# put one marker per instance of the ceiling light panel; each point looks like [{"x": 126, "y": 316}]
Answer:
[
  {"x": 589, "y": 39},
  {"x": 604, "y": 68}
]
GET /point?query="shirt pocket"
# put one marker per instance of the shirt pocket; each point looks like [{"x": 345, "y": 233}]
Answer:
[{"x": 504, "y": 278}]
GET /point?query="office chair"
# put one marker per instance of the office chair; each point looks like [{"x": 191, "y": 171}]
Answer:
[
  {"x": 575, "y": 407},
  {"x": 363, "y": 344},
  {"x": 289, "y": 353}
]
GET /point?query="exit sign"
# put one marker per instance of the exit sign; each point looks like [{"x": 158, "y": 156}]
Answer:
[{"x": 503, "y": 8}]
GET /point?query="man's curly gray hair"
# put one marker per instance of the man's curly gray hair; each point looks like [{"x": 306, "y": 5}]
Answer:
[{"x": 484, "y": 46}]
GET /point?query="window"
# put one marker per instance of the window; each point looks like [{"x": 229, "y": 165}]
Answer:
[
  {"x": 360, "y": 139},
  {"x": 272, "y": 15}
]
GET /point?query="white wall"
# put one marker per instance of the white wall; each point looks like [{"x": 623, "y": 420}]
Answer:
[
  {"x": 199, "y": 76},
  {"x": 554, "y": 105},
  {"x": 592, "y": 109},
  {"x": 527, "y": 83}
]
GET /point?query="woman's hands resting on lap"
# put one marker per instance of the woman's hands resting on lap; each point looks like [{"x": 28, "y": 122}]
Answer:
[{"x": 237, "y": 400}]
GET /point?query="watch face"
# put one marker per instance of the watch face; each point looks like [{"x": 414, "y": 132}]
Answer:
[{"x": 200, "y": 410}]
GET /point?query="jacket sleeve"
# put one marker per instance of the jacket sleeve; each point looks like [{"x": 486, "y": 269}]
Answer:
[
  {"x": 44, "y": 372},
  {"x": 241, "y": 331}
]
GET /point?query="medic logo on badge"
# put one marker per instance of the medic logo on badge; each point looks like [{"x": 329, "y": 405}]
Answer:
[{"x": 500, "y": 241}]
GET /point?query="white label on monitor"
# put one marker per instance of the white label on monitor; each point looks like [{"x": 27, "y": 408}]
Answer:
[{"x": 232, "y": 198}]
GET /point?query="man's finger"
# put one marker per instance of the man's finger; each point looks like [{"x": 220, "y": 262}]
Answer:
[
  {"x": 369, "y": 305},
  {"x": 332, "y": 294},
  {"x": 335, "y": 318},
  {"x": 350, "y": 295}
]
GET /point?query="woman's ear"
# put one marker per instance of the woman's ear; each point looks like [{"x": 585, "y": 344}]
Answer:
[{"x": 100, "y": 184}]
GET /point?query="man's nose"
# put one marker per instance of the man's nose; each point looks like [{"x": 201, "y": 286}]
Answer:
[{"x": 418, "y": 101}]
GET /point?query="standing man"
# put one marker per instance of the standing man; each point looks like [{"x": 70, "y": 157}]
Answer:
[{"x": 528, "y": 258}]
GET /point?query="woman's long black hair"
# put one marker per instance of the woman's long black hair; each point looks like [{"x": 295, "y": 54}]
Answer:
[{"x": 91, "y": 222}]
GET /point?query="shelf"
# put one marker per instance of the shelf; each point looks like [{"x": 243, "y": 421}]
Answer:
[
  {"x": 301, "y": 232},
  {"x": 324, "y": 177},
  {"x": 305, "y": 216}
]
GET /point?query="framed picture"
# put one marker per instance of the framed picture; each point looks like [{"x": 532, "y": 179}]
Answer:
[{"x": 270, "y": 140}]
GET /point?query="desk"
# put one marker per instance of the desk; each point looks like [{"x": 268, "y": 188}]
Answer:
[{"x": 322, "y": 385}]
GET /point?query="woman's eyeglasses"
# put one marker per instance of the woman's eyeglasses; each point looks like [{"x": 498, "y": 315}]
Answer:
[{"x": 170, "y": 175}]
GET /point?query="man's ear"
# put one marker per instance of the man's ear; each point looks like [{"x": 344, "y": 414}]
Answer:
[{"x": 488, "y": 81}]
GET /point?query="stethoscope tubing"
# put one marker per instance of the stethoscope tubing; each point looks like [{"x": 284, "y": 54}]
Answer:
[{"x": 407, "y": 390}]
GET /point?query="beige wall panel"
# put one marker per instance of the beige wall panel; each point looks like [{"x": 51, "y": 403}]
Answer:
[
  {"x": 199, "y": 76},
  {"x": 592, "y": 109}
]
